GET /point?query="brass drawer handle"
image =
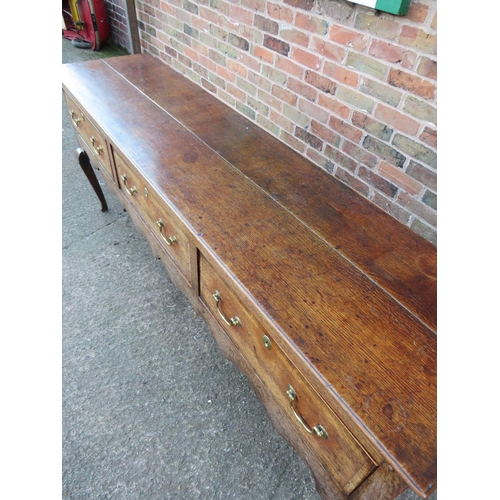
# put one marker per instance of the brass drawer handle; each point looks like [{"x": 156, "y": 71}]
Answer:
[
  {"x": 97, "y": 149},
  {"x": 75, "y": 119},
  {"x": 319, "y": 430},
  {"x": 229, "y": 321},
  {"x": 169, "y": 241},
  {"x": 131, "y": 190}
]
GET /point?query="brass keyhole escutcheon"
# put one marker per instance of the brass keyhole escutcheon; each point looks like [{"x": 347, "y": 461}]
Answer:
[{"x": 267, "y": 342}]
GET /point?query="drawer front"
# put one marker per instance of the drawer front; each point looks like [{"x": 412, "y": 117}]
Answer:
[
  {"x": 167, "y": 228},
  {"x": 334, "y": 445},
  {"x": 96, "y": 144}
]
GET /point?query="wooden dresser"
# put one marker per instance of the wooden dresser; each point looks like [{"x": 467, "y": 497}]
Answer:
[{"x": 325, "y": 302}]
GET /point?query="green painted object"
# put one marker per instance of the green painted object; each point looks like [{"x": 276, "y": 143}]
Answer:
[{"x": 396, "y": 7}]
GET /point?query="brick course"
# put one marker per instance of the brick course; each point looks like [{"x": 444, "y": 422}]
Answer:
[
  {"x": 352, "y": 89},
  {"x": 118, "y": 22}
]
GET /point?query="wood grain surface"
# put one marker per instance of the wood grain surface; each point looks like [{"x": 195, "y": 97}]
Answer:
[
  {"x": 348, "y": 292},
  {"x": 325, "y": 205}
]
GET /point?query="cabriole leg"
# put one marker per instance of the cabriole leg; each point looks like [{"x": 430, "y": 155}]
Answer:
[{"x": 84, "y": 161}]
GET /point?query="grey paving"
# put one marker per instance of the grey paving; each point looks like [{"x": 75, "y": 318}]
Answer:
[{"x": 151, "y": 410}]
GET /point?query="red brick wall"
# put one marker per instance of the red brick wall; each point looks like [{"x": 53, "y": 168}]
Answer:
[
  {"x": 350, "y": 88},
  {"x": 118, "y": 23}
]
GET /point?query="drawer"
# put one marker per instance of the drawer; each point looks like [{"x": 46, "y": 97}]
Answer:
[
  {"x": 96, "y": 144},
  {"x": 331, "y": 441},
  {"x": 161, "y": 220}
]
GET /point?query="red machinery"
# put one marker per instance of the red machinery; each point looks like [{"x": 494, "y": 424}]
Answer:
[{"x": 85, "y": 23}]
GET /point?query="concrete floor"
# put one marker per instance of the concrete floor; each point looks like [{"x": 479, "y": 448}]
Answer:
[{"x": 151, "y": 409}]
